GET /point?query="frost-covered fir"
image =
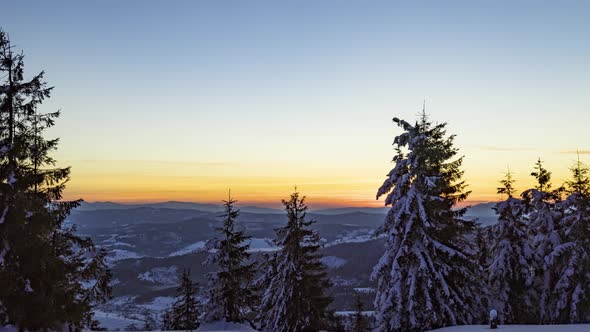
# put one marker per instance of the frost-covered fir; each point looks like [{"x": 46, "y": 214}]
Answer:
[
  {"x": 428, "y": 276},
  {"x": 571, "y": 259},
  {"x": 50, "y": 278},
  {"x": 510, "y": 274},
  {"x": 544, "y": 213},
  {"x": 231, "y": 293},
  {"x": 295, "y": 282},
  {"x": 185, "y": 312}
]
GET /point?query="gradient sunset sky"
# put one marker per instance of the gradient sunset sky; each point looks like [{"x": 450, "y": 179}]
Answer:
[{"x": 181, "y": 100}]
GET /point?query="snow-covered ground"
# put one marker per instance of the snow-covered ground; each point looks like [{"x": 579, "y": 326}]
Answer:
[
  {"x": 358, "y": 236},
  {"x": 519, "y": 328},
  {"x": 333, "y": 262},
  {"x": 262, "y": 245},
  {"x": 256, "y": 245},
  {"x": 189, "y": 249},
  {"x": 161, "y": 275},
  {"x": 120, "y": 254},
  {"x": 111, "y": 321},
  {"x": 364, "y": 290}
]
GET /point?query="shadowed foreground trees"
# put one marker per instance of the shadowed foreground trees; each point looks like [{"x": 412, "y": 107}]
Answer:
[
  {"x": 185, "y": 312},
  {"x": 230, "y": 292},
  {"x": 50, "y": 277}
]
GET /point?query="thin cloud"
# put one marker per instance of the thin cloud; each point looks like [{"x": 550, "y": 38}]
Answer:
[
  {"x": 575, "y": 152},
  {"x": 503, "y": 148},
  {"x": 153, "y": 162}
]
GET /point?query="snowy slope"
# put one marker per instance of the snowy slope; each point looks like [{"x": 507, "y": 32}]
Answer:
[
  {"x": 518, "y": 328},
  {"x": 112, "y": 321}
]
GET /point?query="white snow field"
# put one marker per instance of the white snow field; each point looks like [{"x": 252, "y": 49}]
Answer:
[
  {"x": 518, "y": 328},
  {"x": 232, "y": 327},
  {"x": 112, "y": 321},
  {"x": 208, "y": 327}
]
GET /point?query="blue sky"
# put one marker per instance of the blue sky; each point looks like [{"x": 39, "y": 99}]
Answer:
[{"x": 183, "y": 99}]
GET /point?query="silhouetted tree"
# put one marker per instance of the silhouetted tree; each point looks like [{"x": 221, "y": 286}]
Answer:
[
  {"x": 360, "y": 323},
  {"x": 185, "y": 312},
  {"x": 230, "y": 291},
  {"x": 428, "y": 276},
  {"x": 294, "y": 298},
  {"x": 50, "y": 276}
]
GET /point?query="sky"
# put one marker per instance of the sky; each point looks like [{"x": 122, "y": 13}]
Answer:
[{"x": 183, "y": 100}]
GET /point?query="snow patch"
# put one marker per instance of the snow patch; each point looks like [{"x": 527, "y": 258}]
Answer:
[
  {"x": 189, "y": 249},
  {"x": 160, "y": 303},
  {"x": 3, "y": 215},
  {"x": 354, "y": 239},
  {"x": 262, "y": 245},
  {"x": 364, "y": 290},
  {"x": 333, "y": 262},
  {"x": 120, "y": 254},
  {"x": 112, "y": 321},
  {"x": 160, "y": 275}
]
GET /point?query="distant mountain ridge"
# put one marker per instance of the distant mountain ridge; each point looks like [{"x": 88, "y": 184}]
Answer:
[
  {"x": 89, "y": 206},
  {"x": 484, "y": 212}
]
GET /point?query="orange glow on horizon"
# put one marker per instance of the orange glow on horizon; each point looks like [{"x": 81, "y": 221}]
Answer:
[{"x": 264, "y": 185}]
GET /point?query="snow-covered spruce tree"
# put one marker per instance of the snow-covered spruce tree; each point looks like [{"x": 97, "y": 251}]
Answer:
[
  {"x": 50, "y": 276},
  {"x": 511, "y": 259},
  {"x": 428, "y": 276},
  {"x": 294, "y": 298},
  {"x": 231, "y": 293},
  {"x": 571, "y": 259},
  {"x": 544, "y": 213},
  {"x": 185, "y": 312}
]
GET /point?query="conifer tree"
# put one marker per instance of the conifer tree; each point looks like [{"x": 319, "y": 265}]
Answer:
[
  {"x": 50, "y": 276},
  {"x": 360, "y": 323},
  {"x": 571, "y": 259},
  {"x": 185, "y": 312},
  {"x": 428, "y": 276},
  {"x": 294, "y": 298},
  {"x": 544, "y": 210},
  {"x": 231, "y": 294},
  {"x": 509, "y": 274}
]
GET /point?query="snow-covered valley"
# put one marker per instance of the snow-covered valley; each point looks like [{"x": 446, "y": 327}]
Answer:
[{"x": 149, "y": 245}]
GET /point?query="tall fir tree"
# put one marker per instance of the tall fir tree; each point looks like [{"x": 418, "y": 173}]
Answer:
[
  {"x": 544, "y": 213},
  {"x": 511, "y": 257},
  {"x": 185, "y": 312},
  {"x": 231, "y": 292},
  {"x": 294, "y": 297},
  {"x": 428, "y": 276},
  {"x": 50, "y": 276},
  {"x": 571, "y": 259}
]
